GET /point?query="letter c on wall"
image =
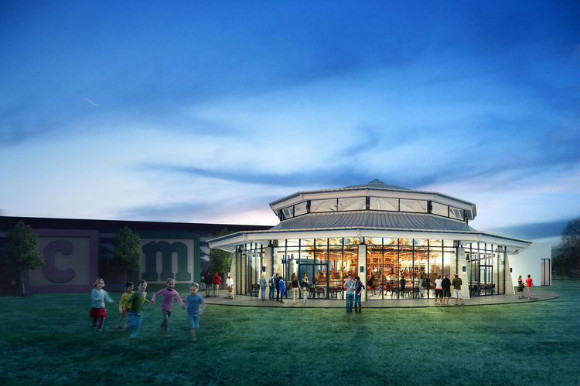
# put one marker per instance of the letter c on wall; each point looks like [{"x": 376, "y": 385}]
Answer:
[{"x": 50, "y": 271}]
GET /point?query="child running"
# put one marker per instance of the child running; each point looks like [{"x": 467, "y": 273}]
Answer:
[
  {"x": 123, "y": 303},
  {"x": 169, "y": 294},
  {"x": 134, "y": 307},
  {"x": 98, "y": 298},
  {"x": 194, "y": 310}
]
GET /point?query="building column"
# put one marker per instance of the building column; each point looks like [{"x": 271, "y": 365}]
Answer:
[{"x": 362, "y": 268}]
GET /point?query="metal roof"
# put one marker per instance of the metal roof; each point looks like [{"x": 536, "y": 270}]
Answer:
[{"x": 376, "y": 220}]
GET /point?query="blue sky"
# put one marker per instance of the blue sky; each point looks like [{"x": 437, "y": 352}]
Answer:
[{"x": 207, "y": 111}]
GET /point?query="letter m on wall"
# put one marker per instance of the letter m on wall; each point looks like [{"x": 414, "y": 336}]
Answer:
[{"x": 169, "y": 256}]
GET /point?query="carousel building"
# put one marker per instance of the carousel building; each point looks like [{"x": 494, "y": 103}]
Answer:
[{"x": 397, "y": 240}]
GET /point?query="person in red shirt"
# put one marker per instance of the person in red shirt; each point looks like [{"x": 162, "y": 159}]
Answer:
[
  {"x": 216, "y": 281},
  {"x": 529, "y": 284}
]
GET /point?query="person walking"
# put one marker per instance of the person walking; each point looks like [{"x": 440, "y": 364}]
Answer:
[
  {"x": 349, "y": 286},
  {"x": 456, "y": 283},
  {"x": 358, "y": 287},
  {"x": 529, "y": 285}
]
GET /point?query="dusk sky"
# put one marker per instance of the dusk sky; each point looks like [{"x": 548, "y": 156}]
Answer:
[{"x": 207, "y": 111}]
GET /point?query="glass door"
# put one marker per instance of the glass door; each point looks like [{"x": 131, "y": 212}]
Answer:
[{"x": 487, "y": 285}]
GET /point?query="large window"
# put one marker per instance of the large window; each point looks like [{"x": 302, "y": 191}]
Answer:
[
  {"x": 418, "y": 206},
  {"x": 456, "y": 213},
  {"x": 356, "y": 203},
  {"x": 323, "y": 205},
  {"x": 300, "y": 209},
  {"x": 388, "y": 204},
  {"x": 441, "y": 210}
]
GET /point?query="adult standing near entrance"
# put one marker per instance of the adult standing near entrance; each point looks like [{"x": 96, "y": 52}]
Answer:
[
  {"x": 305, "y": 284},
  {"x": 216, "y": 282},
  {"x": 229, "y": 287},
  {"x": 272, "y": 286},
  {"x": 358, "y": 287},
  {"x": 208, "y": 283},
  {"x": 529, "y": 285},
  {"x": 402, "y": 283},
  {"x": 446, "y": 284},
  {"x": 277, "y": 285},
  {"x": 295, "y": 285},
  {"x": 438, "y": 290},
  {"x": 349, "y": 286},
  {"x": 456, "y": 283},
  {"x": 263, "y": 286}
]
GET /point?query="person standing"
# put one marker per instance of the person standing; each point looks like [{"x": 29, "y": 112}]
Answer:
[
  {"x": 402, "y": 283},
  {"x": 520, "y": 287},
  {"x": 446, "y": 284},
  {"x": 216, "y": 282},
  {"x": 349, "y": 288},
  {"x": 305, "y": 285},
  {"x": 457, "y": 283},
  {"x": 272, "y": 287},
  {"x": 208, "y": 283},
  {"x": 277, "y": 279},
  {"x": 282, "y": 289},
  {"x": 229, "y": 287},
  {"x": 529, "y": 285},
  {"x": 263, "y": 286},
  {"x": 438, "y": 290},
  {"x": 295, "y": 285},
  {"x": 358, "y": 287}
]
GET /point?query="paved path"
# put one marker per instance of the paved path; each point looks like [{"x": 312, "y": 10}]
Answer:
[{"x": 539, "y": 294}]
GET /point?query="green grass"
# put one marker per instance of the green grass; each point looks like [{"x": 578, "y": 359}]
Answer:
[{"x": 46, "y": 340}]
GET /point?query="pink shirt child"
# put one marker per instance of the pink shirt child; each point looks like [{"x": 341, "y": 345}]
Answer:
[{"x": 168, "y": 296}]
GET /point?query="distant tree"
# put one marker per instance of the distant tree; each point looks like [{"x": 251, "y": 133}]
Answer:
[
  {"x": 568, "y": 255},
  {"x": 220, "y": 261},
  {"x": 22, "y": 250},
  {"x": 127, "y": 251}
]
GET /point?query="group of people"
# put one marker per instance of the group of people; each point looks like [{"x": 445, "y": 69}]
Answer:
[
  {"x": 131, "y": 306},
  {"x": 213, "y": 283},
  {"x": 277, "y": 288},
  {"x": 528, "y": 284},
  {"x": 443, "y": 290}
]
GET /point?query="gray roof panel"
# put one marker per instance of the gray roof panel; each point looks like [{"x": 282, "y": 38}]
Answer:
[{"x": 378, "y": 220}]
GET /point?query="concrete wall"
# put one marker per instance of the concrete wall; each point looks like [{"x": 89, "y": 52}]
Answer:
[{"x": 529, "y": 261}]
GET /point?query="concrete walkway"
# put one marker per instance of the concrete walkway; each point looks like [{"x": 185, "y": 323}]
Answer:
[{"x": 538, "y": 294}]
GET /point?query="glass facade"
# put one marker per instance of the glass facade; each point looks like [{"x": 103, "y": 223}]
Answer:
[
  {"x": 485, "y": 268},
  {"x": 370, "y": 203},
  {"x": 394, "y": 268}
]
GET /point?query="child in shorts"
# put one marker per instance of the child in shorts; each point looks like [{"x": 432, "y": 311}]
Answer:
[{"x": 194, "y": 310}]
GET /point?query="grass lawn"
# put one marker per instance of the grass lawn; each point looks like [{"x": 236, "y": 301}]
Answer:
[{"x": 46, "y": 340}]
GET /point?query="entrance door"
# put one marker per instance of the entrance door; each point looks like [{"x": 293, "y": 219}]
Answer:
[
  {"x": 316, "y": 278},
  {"x": 487, "y": 285}
]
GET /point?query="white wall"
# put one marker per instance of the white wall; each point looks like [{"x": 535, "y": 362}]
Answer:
[{"x": 529, "y": 261}]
